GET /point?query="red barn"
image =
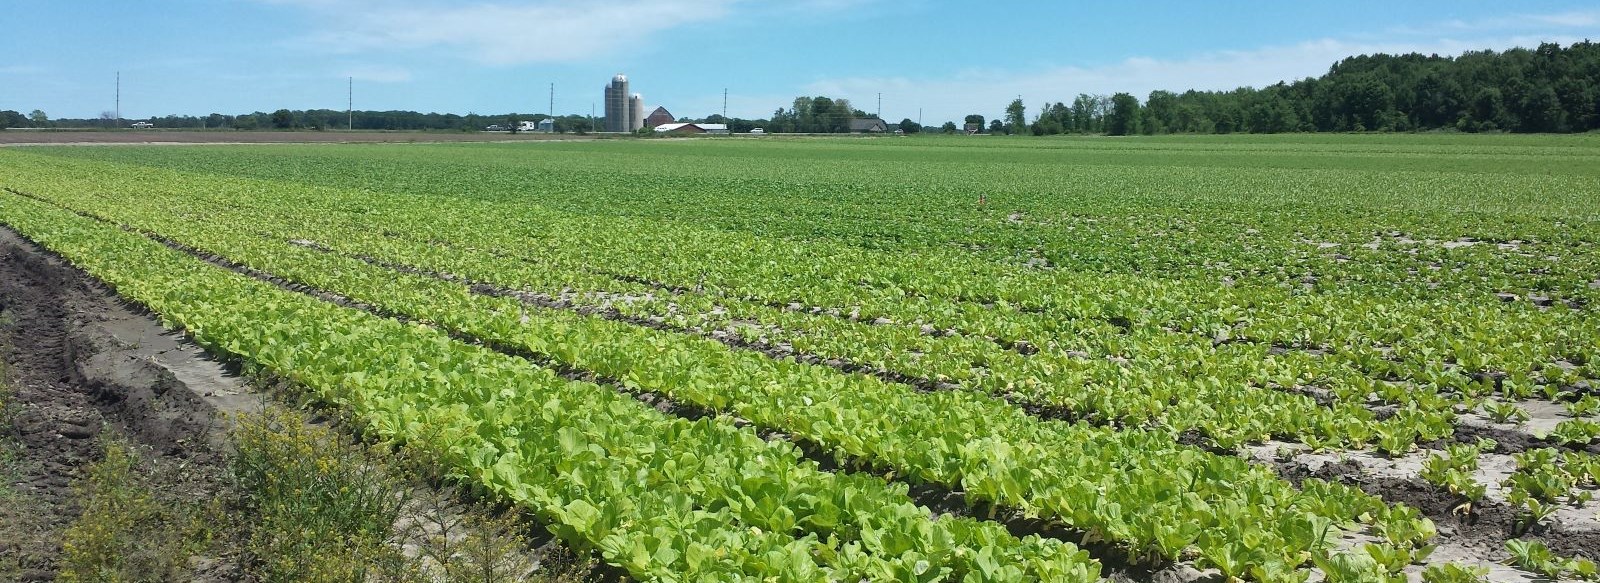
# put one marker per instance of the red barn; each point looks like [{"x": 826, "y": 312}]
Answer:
[{"x": 658, "y": 117}]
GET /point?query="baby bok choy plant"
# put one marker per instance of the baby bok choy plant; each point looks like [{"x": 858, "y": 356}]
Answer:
[
  {"x": 1505, "y": 412},
  {"x": 1452, "y": 470},
  {"x": 1453, "y": 573},
  {"x": 1575, "y": 432},
  {"x": 1535, "y": 557}
]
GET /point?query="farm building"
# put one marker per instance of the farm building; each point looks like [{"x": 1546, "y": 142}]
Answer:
[
  {"x": 692, "y": 128},
  {"x": 658, "y": 117},
  {"x": 679, "y": 128},
  {"x": 868, "y": 125}
]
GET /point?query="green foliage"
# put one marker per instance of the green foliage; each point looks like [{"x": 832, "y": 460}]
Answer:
[
  {"x": 1104, "y": 306},
  {"x": 1551, "y": 89},
  {"x": 1453, "y": 470},
  {"x": 1124, "y": 117},
  {"x": 128, "y": 530},
  {"x": 1016, "y": 116},
  {"x": 1534, "y": 556},
  {"x": 283, "y": 119},
  {"x": 551, "y": 449},
  {"x": 320, "y": 512},
  {"x": 1453, "y": 573},
  {"x": 1506, "y": 412},
  {"x": 1586, "y": 406}
]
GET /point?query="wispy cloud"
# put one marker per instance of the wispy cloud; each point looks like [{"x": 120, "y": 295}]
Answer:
[
  {"x": 1506, "y": 24},
  {"x": 987, "y": 91},
  {"x": 21, "y": 69},
  {"x": 501, "y": 33},
  {"x": 377, "y": 73},
  {"x": 1575, "y": 19}
]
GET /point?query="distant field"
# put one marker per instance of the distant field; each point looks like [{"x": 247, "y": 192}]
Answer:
[{"x": 917, "y": 358}]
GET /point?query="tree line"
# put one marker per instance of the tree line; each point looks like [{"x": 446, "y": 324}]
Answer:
[
  {"x": 1546, "y": 89},
  {"x": 311, "y": 119}
]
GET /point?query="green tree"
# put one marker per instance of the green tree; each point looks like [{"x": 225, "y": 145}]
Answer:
[
  {"x": 976, "y": 121},
  {"x": 39, "y": 118},
  {"x": 910, "y": 127},
  {"x": 1124, "y": 117},
  {"x": 1161, "y": 112},
  {"x": 1086, "y": 113},
  {"x": 949, "y": 127},
  {"x": 12, "y": 119},
  {"x": 997, "y": 127},
  {"x": 1541, "y": 111},
  {"x": 1016, "y": 116},
  {"x": 283, "y": 119}
]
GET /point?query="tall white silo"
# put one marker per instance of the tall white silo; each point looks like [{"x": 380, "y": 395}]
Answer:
[{"x": 636, "y": 113}]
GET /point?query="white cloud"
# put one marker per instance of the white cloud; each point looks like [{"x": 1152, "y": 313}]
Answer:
[
  {"x": 986, "y": 92},
  {"x": 502, "y": 33},
  {"x": 1510, "y": 23},
  {"x": 378, "y": 74},
  {"x": 1575, "y": 19}
]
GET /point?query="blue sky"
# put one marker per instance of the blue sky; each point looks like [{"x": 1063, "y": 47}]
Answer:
[{"x": 947, "y": 58}]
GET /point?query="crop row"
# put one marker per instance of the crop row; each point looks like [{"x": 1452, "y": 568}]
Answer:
[
  {"x": 1143, "y": 375},
  {"x": 1136, "y": 488},
  {"x": 665, "y": 498}
]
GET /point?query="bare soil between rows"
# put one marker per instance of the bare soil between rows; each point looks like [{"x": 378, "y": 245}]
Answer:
[
  {"x": 82, "y": 366},
  {"x": 192, "y": 137}
]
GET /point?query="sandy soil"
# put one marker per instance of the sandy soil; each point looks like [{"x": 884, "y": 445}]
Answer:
[{"x": 83, "y": 363}]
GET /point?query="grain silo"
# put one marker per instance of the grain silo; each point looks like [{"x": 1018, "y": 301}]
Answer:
[
  {"x": 636, "y": 113},
  {"x": 617, "y": 106}
]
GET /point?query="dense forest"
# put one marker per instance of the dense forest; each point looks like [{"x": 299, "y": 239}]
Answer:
[{"x": 1546, "y": 89}]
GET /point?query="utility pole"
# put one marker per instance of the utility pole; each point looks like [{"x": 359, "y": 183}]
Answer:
[
  {"x": 118, "y": 109},
  {"x": 725, "y": 105},
  {"x": 919, "y": 116},
  {"x": 552, "y": 103},
  {"x": 350, "y": 104},
  {"x": 880, "y": 106}
]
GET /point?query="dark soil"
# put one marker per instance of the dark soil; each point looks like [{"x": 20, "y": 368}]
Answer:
[
  {"x": 1486, "y": 526},
  {"x": 71, "y": 384},
  {"x": 1507, "y": 441}
]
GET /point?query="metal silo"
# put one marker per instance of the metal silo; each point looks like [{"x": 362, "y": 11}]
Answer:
[
  {"x": 636, "y": 113},
  {"x": 617, "y": 104}
]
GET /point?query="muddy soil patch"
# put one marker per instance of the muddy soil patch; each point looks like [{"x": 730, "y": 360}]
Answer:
[{"x": 70, "y": 381}]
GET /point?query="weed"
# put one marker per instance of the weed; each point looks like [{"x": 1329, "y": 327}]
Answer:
[
  {"x": 127, "y": 531},
  {"x": 19, "y": 518},
  {"x": 320, "y": 512}
]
